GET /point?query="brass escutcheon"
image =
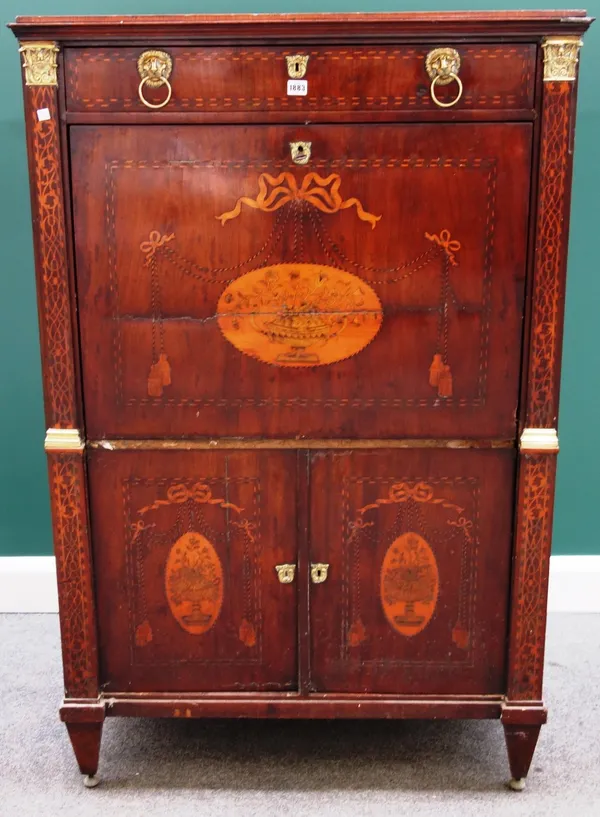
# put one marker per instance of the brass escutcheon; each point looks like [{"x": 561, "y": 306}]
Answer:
[
  {"x": 297, "y": 65},
  {"x": 318, "y": 572},
  {"x": 285, "y": 573},
  {"x": 300, "y": 152}
]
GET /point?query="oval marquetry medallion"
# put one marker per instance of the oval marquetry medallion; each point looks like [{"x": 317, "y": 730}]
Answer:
[
  {"x": 299, "y": 314},
  {"x": 194, "y": 583},
  {"x": 409, "y": 584}
]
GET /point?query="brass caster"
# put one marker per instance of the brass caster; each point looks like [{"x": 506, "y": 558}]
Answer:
[
  {"x": 517, "y": 785},
  {"x": 90, "y": 781}
]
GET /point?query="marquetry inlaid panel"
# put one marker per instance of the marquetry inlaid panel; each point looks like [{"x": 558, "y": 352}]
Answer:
[
  {"x": 187, "y": 585},
  {"x": 352, "y": 296},
  {"x": 418, "y": 544}
]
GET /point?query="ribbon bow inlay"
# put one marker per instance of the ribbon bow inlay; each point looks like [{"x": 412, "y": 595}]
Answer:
[
  {"x": 198, "y": 493},
  {"x": 322, "y": 193},
  {"x": 402, "y": 492},
  {"x": 155, "y": 241},
  {"x": 449, "y": 245}
]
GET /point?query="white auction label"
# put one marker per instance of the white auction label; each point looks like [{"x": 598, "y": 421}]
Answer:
[
  {"x": 43, "y": 115},
  {"x": 297, "y": 87}
]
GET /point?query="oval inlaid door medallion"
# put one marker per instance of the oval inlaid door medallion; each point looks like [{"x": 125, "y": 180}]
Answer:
[
  {"x": 194, "y": 583},
  {"x": 409, "y": 584},
  {"x": 299, "y": 314}
]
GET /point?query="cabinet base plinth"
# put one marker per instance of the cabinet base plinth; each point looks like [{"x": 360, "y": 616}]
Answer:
[{"x": 295, "y": 706}]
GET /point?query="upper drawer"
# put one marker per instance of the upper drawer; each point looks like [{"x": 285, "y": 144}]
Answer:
[{"x": 384, "y": 78}]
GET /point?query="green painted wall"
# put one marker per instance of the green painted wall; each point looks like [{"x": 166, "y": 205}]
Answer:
[{"x": 24, "y": 511}]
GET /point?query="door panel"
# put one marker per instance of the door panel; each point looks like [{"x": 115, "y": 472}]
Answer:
[
  {"x": 185, "y": 549},
  {"x": 376, "y": 291},
  {"x": 418, "y": 544}
]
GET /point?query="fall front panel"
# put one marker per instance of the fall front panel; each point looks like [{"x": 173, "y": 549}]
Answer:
[
  {"x": 186, "y": 548},
  {"x": 373, "y": 287},
  {"x": 417, "y": 546}
]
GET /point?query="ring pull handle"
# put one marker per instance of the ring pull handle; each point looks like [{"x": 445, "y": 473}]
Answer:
[
  {"x": 154, "y": 68},
  {"x": 318, "y": 572},
  {"x": 443, "y": 65},
  {"x": 437, "y": 101},
  {"x": 163, "y": 81},
  {"x": 286, "y": 573}
]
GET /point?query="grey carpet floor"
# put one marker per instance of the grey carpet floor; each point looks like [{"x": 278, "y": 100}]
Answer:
[{"x": 273, "y": 768}]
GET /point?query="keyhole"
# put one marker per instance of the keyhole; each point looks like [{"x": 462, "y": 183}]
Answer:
[
  {"x": 319, "y": 574},
  {"x": 300, "y": 149},
  {"x": 297, "y": 67}
]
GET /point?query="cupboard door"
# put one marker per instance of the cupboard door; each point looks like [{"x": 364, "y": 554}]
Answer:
[
  {"x": 375, "y": 290},
  {"x": 186, "y": 546},
  {"x": 418, "y": 544}
]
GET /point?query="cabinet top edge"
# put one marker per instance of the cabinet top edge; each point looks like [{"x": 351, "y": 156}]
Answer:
[{"x": 266, "y": 26}]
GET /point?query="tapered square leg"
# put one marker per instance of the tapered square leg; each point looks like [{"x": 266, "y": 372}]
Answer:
[
  {"x": 84, "y": 723},
  {"x": 85, "y": 739},
  {"x": 521, "y": 740}
]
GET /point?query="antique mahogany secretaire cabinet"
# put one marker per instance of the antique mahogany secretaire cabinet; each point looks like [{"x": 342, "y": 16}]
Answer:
[{"x": 301, "y": 287}]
